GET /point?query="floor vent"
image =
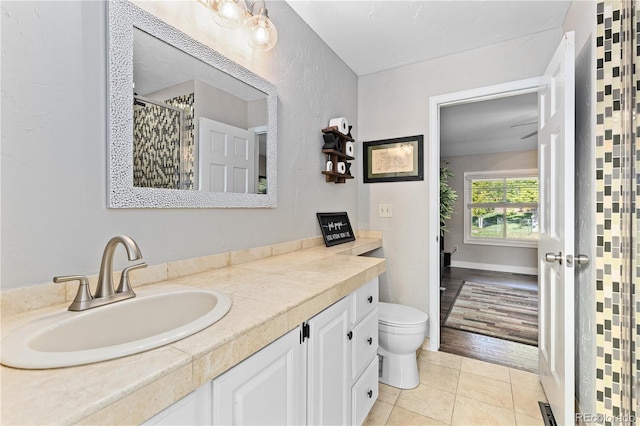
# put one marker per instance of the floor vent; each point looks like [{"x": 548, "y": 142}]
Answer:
[{"x": 547, "y": 414}]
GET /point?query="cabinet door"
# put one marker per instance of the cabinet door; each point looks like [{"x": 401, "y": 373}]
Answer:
[
  {"x": 193, "y": 409},
  {"x": 328, "y": 396},
  {"x": 267, "y": 388}
]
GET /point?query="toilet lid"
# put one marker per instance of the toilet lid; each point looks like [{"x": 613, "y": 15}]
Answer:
[{"x": 400, "y": 315}]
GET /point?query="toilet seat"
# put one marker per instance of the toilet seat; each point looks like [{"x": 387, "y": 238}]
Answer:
[{"x": 400, "y": 316}]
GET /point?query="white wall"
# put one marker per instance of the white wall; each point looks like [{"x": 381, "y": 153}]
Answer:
[
  {"x": 54, "y": 126},
  {"x": 395, "y": 103},
  {"x": 511, "y": 259},
  {"x": 581, "y": 18}
]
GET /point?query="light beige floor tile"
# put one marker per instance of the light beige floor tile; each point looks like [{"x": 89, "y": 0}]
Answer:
[
  {"x": 473, "y": 412},
  {"x": 524, "y": 420},
  {"x": 388, "y": 393},
  {"x": 379, "y": 414},
  {"x": 526, "y": 401},
  {"x": 438, "y": 376},
  {"x": 486, "y": 369},
  {"x": 485, "y": 389},
  {"x": 400, "y": 416},
  {"x": 525, "y": 379},
  {"x": 428, "y": 401},
  {"x": 441, "y": 358},
  {"x": 425, "y": 344}
]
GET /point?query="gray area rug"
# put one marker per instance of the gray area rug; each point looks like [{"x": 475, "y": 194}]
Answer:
[{"x": 496, "y": 311}]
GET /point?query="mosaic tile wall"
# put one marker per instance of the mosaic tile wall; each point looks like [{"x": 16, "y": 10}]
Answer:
[
  {"x": 635, "y": 228},
  {"x": 187, "y": 169},
  {"x": 159, "y": 160},
  {"x": 614, "y": 141}
]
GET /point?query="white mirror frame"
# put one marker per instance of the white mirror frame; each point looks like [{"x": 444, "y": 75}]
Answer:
[{"x": 123, "y": 17}]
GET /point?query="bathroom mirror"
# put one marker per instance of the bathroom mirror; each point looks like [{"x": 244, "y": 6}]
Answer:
[{"x": 188, "y": 126}]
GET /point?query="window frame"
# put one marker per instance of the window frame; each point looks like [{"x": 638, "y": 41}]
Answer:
[{"x": 496, "y": 174}]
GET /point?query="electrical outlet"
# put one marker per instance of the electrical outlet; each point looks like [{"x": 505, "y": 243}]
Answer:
[{"x": 384, "y": 210}]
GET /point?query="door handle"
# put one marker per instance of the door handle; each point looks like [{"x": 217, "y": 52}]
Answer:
[
  {"x": 552, "y": 257},
  {"x": 582, "y": 259}
]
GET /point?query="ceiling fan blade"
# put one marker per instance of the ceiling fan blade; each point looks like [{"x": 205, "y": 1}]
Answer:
[
  {"x": 524, "y": 124},
  {"x": 529, "y": 135}
]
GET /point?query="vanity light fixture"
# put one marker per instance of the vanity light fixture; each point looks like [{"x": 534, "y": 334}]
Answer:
[
  {"x": 229, "y": 13},
  {"x": 261, "y": 32}
]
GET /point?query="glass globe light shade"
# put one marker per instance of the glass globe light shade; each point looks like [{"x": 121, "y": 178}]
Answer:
[
  {"x": 229, "y": 13},
  {"x": 262, "y": 32}
]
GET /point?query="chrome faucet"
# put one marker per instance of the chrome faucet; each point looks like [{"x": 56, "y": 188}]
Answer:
[{"x": 105, "y": 292}]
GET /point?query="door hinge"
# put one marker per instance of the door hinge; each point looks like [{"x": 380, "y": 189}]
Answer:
[{"x": 304, "y": 332}]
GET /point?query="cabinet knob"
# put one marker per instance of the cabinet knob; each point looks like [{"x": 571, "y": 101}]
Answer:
[
  {"x": 350, "y": 335},
  {"x": 370, "y": 393},
  {"x": 370, "y": 299},
  {"x": 370, "y": 340}
]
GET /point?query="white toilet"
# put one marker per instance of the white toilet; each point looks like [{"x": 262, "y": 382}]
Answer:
[{"x": 400, "y": 333}]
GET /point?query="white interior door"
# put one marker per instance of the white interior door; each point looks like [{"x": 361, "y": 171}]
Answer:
[
  {"x": 556, "y": 244},
  {"x": 228, "y": 158}
]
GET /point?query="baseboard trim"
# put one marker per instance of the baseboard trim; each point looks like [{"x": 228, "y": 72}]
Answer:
[{"x": 499, "y": 268}]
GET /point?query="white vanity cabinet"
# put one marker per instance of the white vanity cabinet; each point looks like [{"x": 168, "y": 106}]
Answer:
[
  {"x": 193, "y": 409},
  {"x": 267, "y": 388},
  {"x": 364, "y": 356},
  {"x": 328, "y": 366},
  {"x": 324, "y": 372}
]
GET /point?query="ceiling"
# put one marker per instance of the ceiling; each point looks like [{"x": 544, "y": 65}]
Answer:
[
  {"x": 497, "y": 125},
  {"x": 374, "y": 35},
  {"x": 371, "y": 36}
]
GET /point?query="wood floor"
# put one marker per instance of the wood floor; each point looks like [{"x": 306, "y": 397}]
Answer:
[{"x": 485, "y": 348}]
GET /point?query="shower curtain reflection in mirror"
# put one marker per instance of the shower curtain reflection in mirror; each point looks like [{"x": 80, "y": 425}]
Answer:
[{"x": 162, "y": 143}]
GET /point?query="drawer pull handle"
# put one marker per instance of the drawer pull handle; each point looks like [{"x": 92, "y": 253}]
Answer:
[
  {"x": 370, "y": 340},
  {"x": 350, "y": 335},
  {"x": 370, "y": 299},
  {"x": 370, "y": 393}
]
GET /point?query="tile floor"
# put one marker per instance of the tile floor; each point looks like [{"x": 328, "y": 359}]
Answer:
[{"x": 455, "y": 390}]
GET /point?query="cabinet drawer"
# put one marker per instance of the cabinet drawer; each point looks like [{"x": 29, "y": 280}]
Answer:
[
  {"x": 364, "y": 393},
  {"x": 365, "y": 343},
  {"x": 365, "y": 300}
]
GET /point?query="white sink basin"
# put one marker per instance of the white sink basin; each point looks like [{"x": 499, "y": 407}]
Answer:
[{"x": 153, "y": 318}]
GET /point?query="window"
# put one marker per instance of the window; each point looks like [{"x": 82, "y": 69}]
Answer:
[{"x": 501, "y": 208}]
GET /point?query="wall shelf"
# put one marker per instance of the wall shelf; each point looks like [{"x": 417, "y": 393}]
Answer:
[{"x": 336, "y": 156}]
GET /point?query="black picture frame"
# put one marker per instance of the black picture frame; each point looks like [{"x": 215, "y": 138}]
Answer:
[
  {"x": 393, "y": 160},
  {"x": 336, "y": 228}
]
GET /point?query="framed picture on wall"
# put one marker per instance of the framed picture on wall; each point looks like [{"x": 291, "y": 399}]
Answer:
[{"x": 393, "y": 160}]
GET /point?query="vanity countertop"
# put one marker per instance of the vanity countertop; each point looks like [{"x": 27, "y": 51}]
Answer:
[{"x": 271, "y": 296}]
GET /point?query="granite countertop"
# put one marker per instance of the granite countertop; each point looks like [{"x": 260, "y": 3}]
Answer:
[{"x": 270, "y": 296}]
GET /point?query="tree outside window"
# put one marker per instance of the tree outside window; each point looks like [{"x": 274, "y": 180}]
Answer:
[{"x": 501, "y": 207}]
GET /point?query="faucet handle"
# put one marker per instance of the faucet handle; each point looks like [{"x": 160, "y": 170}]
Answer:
[
  {"x": 125, "y": 286},
  {"x": 82, "y": 296}
]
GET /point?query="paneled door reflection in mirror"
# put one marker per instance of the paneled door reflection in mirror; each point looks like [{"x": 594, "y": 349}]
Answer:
[{"x": 174, "y": 94}]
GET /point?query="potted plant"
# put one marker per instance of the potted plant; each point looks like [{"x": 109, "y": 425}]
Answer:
[
  {"x": 447, "y": 200},
  {"x": 447, "y": 197}
]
